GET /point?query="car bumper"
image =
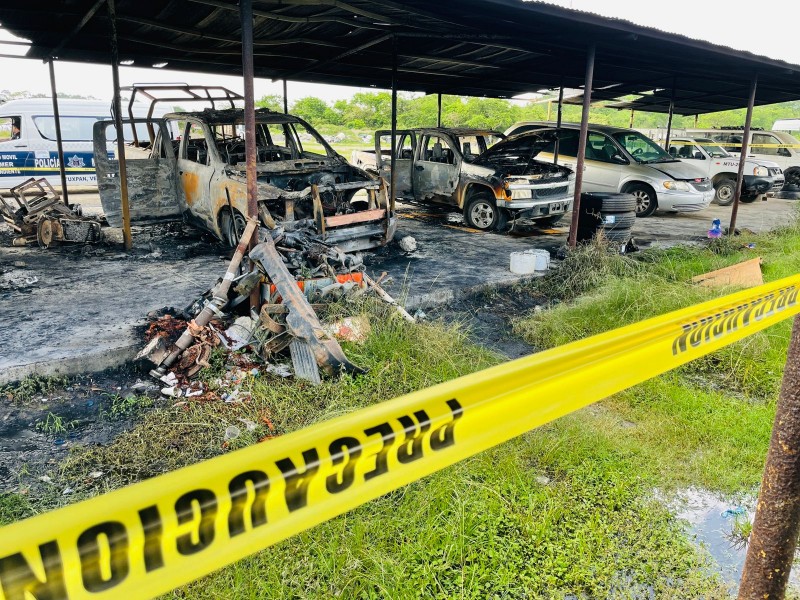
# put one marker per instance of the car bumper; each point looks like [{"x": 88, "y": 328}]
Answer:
[
  {"x": 685, "y": 201},
  {"x": 761, "y": 185}
]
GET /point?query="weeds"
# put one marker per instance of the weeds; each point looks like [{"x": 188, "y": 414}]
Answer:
[
  {"x": 30, "y": 387},
  {"x": 54, "y": 425}
]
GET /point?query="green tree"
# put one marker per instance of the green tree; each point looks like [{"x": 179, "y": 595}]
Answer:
[
  {"x": 271, "y": 101},
  {"x": 313, "y": 110}
]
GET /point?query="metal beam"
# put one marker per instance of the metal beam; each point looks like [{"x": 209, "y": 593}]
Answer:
[
  {"x": 581, "y": 158},
  {"x": 86, "y": 18},
  {"x": 559, "y": 114},
  {"x": 127, "y": 238},
  {"x": 285, "y": 98},
  {"x": 59, "y": 142},
  {"x": 324, "y": 18},
  {"x": 337, "y": 58},
  {"x": 669, "y": 117},
  {"x": 393, "y": 174},
  {"x": 439, "y": 109},
  {"x": 745, "y": 143}
]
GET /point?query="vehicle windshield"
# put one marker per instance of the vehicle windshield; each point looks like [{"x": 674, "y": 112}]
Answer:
[
  {"x": 512, "y": 150},
  {"x": 713, "y": 148},
  {"x": 642, "y": 149},
  {"x": 274, "y": 141}
]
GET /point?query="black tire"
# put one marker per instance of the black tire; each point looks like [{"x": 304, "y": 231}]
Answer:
[
  {"x": 624, "y": 220},
  {"x": 232, "y": 228},
  {"x": 617, "y": 235},
  {"x": 791, "y": 179},
  {"x": 646, "y": 202},
  {"x": 549, "y": 221},
  {"x": 481, "y": 212},
  {"x": 725, "y": 191},
  {"x": 619, "y": 203}
]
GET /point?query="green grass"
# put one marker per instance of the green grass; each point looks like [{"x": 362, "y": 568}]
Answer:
[{"x": 567, "y": 510}]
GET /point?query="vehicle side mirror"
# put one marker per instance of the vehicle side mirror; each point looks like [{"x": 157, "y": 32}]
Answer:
[
  {"x": 699, "y": 156},
  {"x": 619, "y": 159},
  {"x": 784, "y": 152}
]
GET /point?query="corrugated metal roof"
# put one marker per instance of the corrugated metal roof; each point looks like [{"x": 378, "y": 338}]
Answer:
[{"x": 497, "y": 48}]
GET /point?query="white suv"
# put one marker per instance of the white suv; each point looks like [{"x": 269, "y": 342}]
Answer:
[{"x": 623, "y": 160}]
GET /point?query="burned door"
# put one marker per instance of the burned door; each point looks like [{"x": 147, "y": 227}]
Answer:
[
  {"x": 152, "y": 189},
  {"x": 436, "y": 169},
  {"x": 197, "y": 163},
  {"x": 404, "y": 160}
]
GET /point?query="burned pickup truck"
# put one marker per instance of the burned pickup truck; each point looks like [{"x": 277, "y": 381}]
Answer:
[
  {"x": 489, "y": 183},
  {"x": 193, "y": 169}
]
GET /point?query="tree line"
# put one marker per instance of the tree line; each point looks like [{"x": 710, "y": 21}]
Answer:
[{"x": 372, "y": 111}]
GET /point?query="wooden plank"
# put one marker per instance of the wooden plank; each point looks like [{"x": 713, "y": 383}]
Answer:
[
  {"x": 745, "y": 274},
  {"x": 359, "y": 217}
]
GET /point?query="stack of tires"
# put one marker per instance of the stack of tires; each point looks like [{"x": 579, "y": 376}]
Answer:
[{"x": 613, "y": 214}]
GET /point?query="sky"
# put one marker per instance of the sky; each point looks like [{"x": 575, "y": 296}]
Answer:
[{"x": 753, "y": 26}]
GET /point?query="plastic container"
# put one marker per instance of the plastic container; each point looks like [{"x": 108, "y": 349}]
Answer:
[{"x": 529, "y": 261}]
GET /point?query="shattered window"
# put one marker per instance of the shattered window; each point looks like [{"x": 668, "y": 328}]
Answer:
[
  {"x": 309, "y": 141},
  {"x": 405, "y": 147},
  {"x": 195, "y": 147},
  {"x": 437, "y": 149}
]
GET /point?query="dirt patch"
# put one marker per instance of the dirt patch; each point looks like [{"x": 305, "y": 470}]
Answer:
[
  {"x": 41, "y": 421},
  {"x": 487, "y": 316}
]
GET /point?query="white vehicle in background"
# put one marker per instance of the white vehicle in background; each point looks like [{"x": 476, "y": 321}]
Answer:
[
  {"x": 28, "y": 140},
  {"x": 778, "y": 146},
  {"x": 623, "y": 160},
  {"x": 722, "y": 167}
]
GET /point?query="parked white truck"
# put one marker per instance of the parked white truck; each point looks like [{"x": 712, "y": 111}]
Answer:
[{"x": 722, "y": 167}]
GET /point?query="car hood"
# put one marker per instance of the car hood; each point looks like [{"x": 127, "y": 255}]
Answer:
[{"x": 678, "y": 170}]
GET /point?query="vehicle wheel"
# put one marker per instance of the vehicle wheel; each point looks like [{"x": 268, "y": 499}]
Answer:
[
  {"x": 232, "y": 228},
  {"x": 646, "y": 202},
  {"x": 725, "y": 191},
  {"x": 548, "y": 221},
  {"x": 482, "y": 213}
]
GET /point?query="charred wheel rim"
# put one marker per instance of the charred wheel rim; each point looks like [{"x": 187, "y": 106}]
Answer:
[
  {"x": 643, "y": 200},
  {"x": 482, "y": 214}
]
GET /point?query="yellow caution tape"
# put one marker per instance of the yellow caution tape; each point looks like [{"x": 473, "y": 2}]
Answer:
[{"x": 153, "y": 536}]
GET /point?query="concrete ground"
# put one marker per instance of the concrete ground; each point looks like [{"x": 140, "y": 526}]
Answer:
[{"x": 63, "y": 311}]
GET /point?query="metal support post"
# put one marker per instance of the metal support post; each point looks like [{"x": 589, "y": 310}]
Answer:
[
  {"x": 669, "y": 117},
  {"x": 630, "y": 123},
  {"x": 439, "y": 112},
  {"x": 696, "y": 117},
  {"x": 285, "y": 99},
  {"x": 773, "y": 540},
  {"x": 558, "y": 122},
  {"x": 745, "y": 143},
  {"x": 246, "y": 14},
  {"x": 59, "y": 144},
  {"x": 587, "y": 100},
  {"x": 393, "y": 174},
  {"x": 127, "y": 237}
]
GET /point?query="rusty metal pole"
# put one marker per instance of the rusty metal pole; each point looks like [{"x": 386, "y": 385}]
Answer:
[
  {"x": 669, "y": 118},
  {"x": 285, "y": 99},
  {"x": 127, "y": 237},
  {"x": 246, "y": 14},
  {"x": 777, "y": 523},
  {"x": 250, "y": 141},
  {"x": 393, "y": 174},
  {"x": 587, "y": 100},
  {"x": 630, "y": 123},
  {"x": 745, "y": 143},
  {"x": 59, "y": 144},
  {"x": 559, "y": 112},
  {"x": 439, "y": 113}
]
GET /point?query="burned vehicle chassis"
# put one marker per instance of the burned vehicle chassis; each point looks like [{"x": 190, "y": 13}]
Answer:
[{"x": 193, "y": 169}]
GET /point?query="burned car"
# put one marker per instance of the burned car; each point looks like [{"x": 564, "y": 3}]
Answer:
[
  {"x": 489, "y": 183},
  {"x": 193, "y": 169}
]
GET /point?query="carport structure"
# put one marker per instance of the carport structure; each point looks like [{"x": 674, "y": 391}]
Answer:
[{"x": 497, "y": 48}]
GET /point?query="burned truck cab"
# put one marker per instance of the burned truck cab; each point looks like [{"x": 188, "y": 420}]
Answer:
[{"x": 194, "y": 169}]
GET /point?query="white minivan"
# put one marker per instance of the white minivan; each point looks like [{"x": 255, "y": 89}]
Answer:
[{"x": 28, "y": 140}]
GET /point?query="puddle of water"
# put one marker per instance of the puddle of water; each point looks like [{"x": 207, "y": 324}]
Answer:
[{"x": 710, "y": 520}]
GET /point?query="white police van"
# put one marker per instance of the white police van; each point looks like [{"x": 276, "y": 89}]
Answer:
[{"x": 28, "y": 140}]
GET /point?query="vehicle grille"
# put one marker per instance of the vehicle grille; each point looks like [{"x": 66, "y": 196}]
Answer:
[
  {"x": 702, "y": 186},
  {"x": 775, "y": 171},
  {"x": 551, "y": 192},
  {"x": 778, "y": 185}
]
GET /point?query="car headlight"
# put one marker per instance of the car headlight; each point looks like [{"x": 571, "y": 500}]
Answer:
[
  {"x": 680, "y": 186},
  {"x": 760, "y": 172}
]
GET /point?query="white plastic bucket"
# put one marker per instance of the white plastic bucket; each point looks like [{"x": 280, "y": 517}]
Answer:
[{"x": 529, "y": 261}]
